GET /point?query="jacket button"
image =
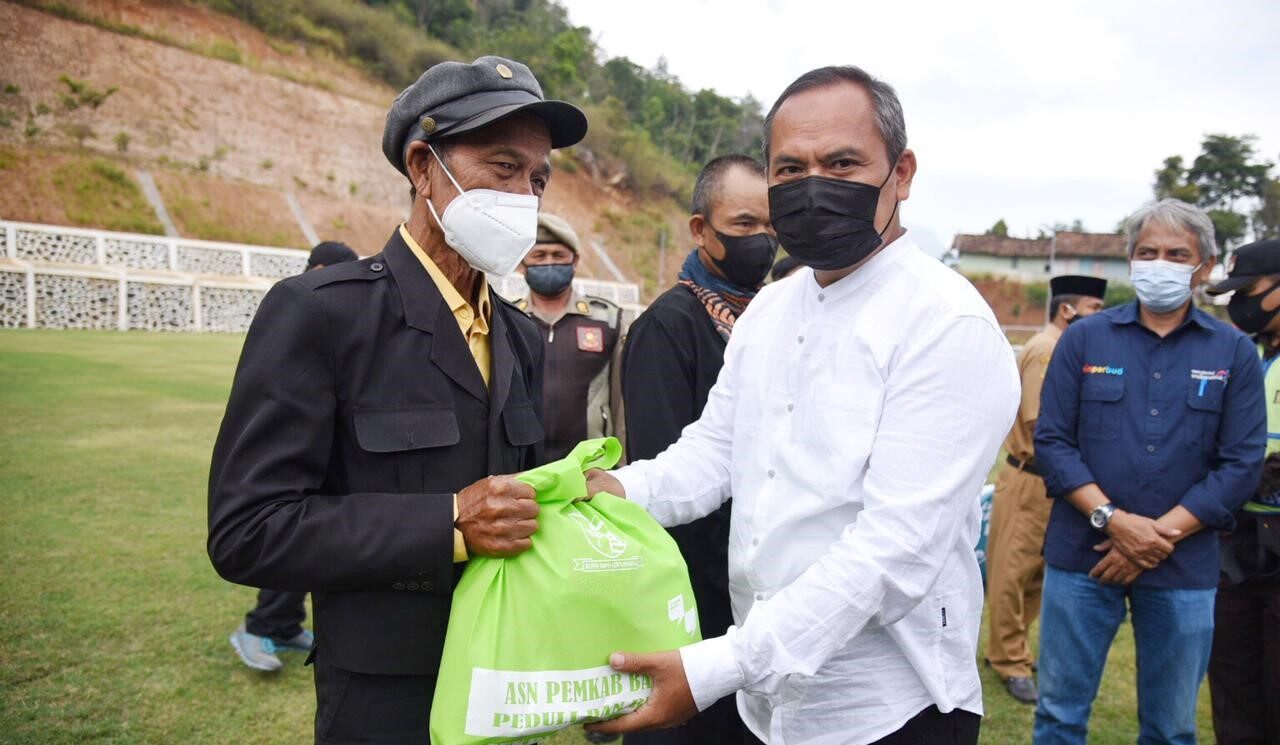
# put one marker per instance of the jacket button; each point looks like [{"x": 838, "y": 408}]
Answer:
[
  {"x": 375, "y": 266},
  {"x": 412, "y": 587},
  {"x": 427, "y": 587},
  {"x": 398, "y": 586}
]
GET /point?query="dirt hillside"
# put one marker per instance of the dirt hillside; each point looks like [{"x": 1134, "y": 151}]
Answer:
[{"x": 229, "y": 121}]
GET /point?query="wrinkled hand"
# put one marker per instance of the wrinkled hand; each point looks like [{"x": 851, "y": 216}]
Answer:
[
  {"x": 496, "y": 516},
  {"x": 1115, "y": 568},
  {"x": 1140, "y": 538},
  {"x": 670, "y": 703},
  {"x": 603, "y": 481}
]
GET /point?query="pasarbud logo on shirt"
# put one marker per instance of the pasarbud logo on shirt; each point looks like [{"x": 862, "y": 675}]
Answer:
[{"x": 1103, "y": 370}]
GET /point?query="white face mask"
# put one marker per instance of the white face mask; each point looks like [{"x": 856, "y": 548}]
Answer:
[
  {"x": 1162, "y": 286},
  {"x": 492, "y": 230}
]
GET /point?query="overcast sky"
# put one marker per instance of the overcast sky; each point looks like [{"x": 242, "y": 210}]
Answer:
[{"x": 1032, "y": 112}]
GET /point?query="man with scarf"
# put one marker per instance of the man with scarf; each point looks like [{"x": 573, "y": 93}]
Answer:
[
  {"x": 861, "y": 404},
  {"x": 580, "y": 395},
  {"x": 672, "y": 357}
]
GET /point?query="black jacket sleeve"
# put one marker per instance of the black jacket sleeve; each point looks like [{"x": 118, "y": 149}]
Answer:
[
  {"x": 657, "y": 387},
  {"x": 269, "y": 524}
]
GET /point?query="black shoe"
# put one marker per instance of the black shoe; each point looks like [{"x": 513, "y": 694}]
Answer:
[
  {"x": 600, "y": 737},
  {"x": 1023, "y": 689}
]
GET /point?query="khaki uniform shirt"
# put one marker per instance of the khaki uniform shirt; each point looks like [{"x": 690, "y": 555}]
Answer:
[{"x": 1033, "y": 361}]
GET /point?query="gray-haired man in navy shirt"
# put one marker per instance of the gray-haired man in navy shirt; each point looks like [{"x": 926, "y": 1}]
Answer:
[{"x": 1151, "y": 433}]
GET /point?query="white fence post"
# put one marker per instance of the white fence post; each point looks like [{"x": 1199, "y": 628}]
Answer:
[
  {"x": 245, "y": 263},
  {"x": 173, "y": 255},
  {"x": 100, "y": 249},
  {"x": 11, "y": 241},
  {"x": 31, "y": 296},
  {"x": 122, "y": 321}
]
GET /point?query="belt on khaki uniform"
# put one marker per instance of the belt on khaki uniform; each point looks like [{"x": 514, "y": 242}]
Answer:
[{"x": 1025, "y": 466}]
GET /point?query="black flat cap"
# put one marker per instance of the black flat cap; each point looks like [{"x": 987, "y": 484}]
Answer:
[
  {"x": 329, "y": 253},
  {"x": 451, "y": 98},
  {"x": 1078, "y": 284},
  {"x": 1257, "y": 259}
]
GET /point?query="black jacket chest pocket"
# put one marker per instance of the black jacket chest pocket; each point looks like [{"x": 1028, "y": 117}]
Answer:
[
  {"x": 1204, "y": 399},
  {"x": 522, "y": 425},
  {"x": 394, "y": 430},
  {"x": 1100, "y": 401}
]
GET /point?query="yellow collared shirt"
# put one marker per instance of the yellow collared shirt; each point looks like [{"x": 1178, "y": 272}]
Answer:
[{"x": 474, "y": 327}]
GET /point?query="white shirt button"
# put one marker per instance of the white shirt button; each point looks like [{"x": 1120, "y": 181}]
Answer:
[
  {"x": 791, "y": 407},
  {"x": 771, "y": 473},
  {"x": 799, "y": 340},
  {"x": 759, "y": 596}
]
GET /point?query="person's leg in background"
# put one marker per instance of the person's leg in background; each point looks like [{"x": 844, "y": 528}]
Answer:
[
  {"x": 1079, "y": 618},
  {"x": 1271, "y": 659},
  {"x": 1236, "y": 668},
  {"x": 1173, "y": 636},
  {"x": 1015, "y": 571},
  {"x": 274, "y": 624}
]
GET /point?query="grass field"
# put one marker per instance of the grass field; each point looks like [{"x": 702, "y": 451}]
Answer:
[{"x": 113, "y": 626}]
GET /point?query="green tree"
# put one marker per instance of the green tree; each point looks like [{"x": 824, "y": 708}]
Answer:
[
  {"x": 1266, "y": 220},
  {"x": 1171, "y": 181},
  {"x": 1000, "y": 229},
  {"x": 1224, "y": 179}
]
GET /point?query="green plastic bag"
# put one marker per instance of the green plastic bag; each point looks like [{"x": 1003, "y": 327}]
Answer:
[{"x": 530, "y": 636}]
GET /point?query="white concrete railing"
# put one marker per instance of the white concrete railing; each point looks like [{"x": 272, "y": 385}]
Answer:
[{"x": 62, "y": 277}]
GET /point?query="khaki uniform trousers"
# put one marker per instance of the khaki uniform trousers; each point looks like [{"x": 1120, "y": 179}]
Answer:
[{"x": 1015, "y": 569}]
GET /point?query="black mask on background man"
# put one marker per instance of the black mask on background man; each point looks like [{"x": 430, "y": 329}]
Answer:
[
  {"x": 827, "y": 223},
  {"x": 548, "y": 280},
  {"x": 747, "y": 258},
  {"x": 1247, "y": 313}
]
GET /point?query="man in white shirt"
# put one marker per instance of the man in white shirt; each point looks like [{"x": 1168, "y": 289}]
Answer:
[{"x": 861, "y": 404}]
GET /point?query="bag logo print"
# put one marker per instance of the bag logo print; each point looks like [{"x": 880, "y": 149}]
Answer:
[{"x": 607, "y": 544}]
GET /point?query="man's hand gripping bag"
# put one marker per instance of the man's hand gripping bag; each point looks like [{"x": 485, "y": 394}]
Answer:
[{"x": 529, "y": 637}]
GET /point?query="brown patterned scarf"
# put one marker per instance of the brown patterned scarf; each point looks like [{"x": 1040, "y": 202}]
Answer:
[{"x": 723, "y": 308}]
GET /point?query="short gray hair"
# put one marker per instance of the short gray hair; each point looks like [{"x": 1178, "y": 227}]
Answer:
[
  {"x": 1175, "y": 214},
  {"x": 884, "y": 99}
]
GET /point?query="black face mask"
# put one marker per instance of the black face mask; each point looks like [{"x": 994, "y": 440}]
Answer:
[
  {"x": 827, "y": 223},
  {"x": 1247, "y": 313},
  {"x": 548, "y": 280},
  {"x": 747, "y": 258}
]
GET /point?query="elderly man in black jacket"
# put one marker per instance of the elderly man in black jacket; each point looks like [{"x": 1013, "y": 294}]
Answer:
[{"x": 374, "y": 400}]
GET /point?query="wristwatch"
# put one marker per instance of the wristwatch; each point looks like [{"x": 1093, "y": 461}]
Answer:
[{"x": 1101, "y": 516}]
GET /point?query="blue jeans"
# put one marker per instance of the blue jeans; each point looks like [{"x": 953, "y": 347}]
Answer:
[{"x": 1079, "y": 617}]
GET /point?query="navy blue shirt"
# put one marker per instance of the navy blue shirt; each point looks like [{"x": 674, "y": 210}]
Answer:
[{"x": 1156, "y": 423}]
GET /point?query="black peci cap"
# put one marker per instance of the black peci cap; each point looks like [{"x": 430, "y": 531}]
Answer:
[
  {"x": 329, "y": 253},
  {"x": 1077, "y": 284}
]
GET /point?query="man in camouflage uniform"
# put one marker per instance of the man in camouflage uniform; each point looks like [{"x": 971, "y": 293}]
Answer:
[{"x": 580, "y": 396}]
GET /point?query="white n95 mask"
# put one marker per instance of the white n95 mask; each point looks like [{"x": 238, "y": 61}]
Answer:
[{"x": 492, "y": 230}]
